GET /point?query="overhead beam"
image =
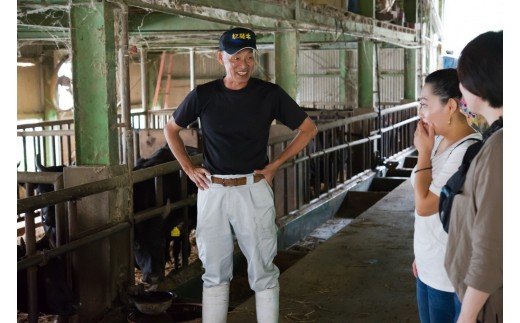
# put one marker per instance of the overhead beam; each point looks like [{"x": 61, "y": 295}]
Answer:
[
  {"x": 280, "y": 16},
  {"x": 209, "y": 40},
  {"x": 274, "y": 16}
]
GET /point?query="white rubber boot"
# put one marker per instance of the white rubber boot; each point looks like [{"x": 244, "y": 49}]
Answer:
[
  {"x": 267, "y": 305},
  {"x": 215, "y": 302}
]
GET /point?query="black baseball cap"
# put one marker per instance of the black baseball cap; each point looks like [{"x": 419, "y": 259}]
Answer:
[{"x": 236, "y": 39}]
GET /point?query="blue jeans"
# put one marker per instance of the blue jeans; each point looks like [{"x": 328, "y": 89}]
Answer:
[
  {"x": 458, "y": 307},
  {"x": 435, "y": 306}
]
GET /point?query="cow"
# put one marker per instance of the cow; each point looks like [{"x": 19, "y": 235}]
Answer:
[
  {"x": 152, "y": 253},
  {"x": 48, "y": 212},
  {"x": 53, "y": 293},
  {"x": 336, "y": 159}
]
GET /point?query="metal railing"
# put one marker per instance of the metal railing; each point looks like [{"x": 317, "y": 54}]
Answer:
[
  {"x": 54, "y": 140},
  {"x": 341, "y": 150},
  {"x": 69, "y": 196}
]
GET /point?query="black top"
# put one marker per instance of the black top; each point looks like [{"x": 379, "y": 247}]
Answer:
[{"x": 236, "y": 123}]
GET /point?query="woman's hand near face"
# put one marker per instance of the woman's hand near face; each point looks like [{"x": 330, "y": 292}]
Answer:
[{"x": 424, "y": 138}]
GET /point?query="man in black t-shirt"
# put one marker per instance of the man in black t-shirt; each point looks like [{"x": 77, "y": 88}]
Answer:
[{"x": 235, "y": 179}]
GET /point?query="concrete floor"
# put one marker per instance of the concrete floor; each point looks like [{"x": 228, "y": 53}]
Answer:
[{"x": 361, "y": 274}]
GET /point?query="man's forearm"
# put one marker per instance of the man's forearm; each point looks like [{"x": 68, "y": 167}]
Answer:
[
  {"x": 299, "y": 142},
  {"x": 197, "y": 174},
  {"x": 177, "y": 147}
]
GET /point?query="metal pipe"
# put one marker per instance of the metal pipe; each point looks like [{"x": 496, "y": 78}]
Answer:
[
  {"x": 400, "y": 108},
  {"x": 184, "y": 229},
  {"x": 192, "y": 69},
  {"x": 45, "y": 133},
  {"x": 38, "y": 177},
  {"x": 24, "y": 145},
  {"x": 328, "y": 151},
  {"x": 150, "y": 213},
  {"x": 32, "y": 273},
  {"x": 91, "y": 237},
  {"x": 59, "y": 213},
  {"x": 192, "y": 76},
  {"x": 399, "y": 124},
  {"x": 51, "y": 198},
  {"x": 45, "y": 123},
  {"x": 125, "y": 85},
  {"x": 144, "y": 83}
]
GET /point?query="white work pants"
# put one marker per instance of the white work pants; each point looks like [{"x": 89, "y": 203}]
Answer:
[{"x": 250, "y": 210}]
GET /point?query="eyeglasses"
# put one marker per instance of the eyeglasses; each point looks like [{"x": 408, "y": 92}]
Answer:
[{"x": 464, "y": 108}]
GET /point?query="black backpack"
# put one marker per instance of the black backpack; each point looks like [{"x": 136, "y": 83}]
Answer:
[{"x": 454, "y": 184}]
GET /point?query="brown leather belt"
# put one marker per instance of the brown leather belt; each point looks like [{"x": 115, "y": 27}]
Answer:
[{"x": 235, "y": 181}]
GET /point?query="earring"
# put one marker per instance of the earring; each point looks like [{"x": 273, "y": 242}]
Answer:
[{"x": 449, "y": 121}]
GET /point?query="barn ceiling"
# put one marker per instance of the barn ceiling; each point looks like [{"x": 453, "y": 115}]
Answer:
[{"x": 167, "y": 24}]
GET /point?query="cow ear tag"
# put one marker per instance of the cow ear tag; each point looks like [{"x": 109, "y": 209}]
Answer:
[{"x": 175, "y": 232}]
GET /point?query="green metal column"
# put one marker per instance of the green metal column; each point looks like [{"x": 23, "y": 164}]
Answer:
[
  {"x": 286, "y": 46},
  {"x": 410, "y": 74},
  {"x": 366, "y": 62},
  {"x": 154, "y": 60},
  {"x": 343, "y": 77},
  {"x": 94, "y": 68},
  {"x": 410, "y": 55},
  {"x": 410, "y": 13}
]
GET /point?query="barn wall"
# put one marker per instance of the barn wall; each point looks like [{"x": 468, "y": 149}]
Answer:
[
  {"x": 207, "y": 69},
  {"x": 318, "y": 84},
  {"x": 29, "y": 93},
  {"x": 319, "y": 77}
]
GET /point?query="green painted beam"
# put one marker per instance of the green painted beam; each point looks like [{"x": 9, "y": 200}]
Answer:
[
  {"x": 94, "y": 70},
  {"x": 265, "y": 41},
  {"x": 286, "y": 61},
  {"x": 160, "y": 22},
  {"x": 410, "y": 74},
  {"x": 45, "y": 36}
]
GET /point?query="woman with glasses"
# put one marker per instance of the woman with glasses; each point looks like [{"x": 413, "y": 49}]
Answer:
[{"x": 474, "y": 252}]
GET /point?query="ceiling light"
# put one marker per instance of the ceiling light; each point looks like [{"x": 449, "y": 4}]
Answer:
[{"x": 24, "y": 64}]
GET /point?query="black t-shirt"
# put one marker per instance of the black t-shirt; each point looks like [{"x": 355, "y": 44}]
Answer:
[{"x": 236, "y": 123}]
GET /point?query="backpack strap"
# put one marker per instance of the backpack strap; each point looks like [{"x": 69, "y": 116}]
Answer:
[
  {"x": 460, "y": 143},
  {"x": 457, "y": 180},
  {"x": 454, "y": 184}
]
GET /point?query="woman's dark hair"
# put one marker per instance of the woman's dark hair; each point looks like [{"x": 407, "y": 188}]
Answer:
[
  {"x": 480, "y": 67},
  {"x": 445, "y": 84}
]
